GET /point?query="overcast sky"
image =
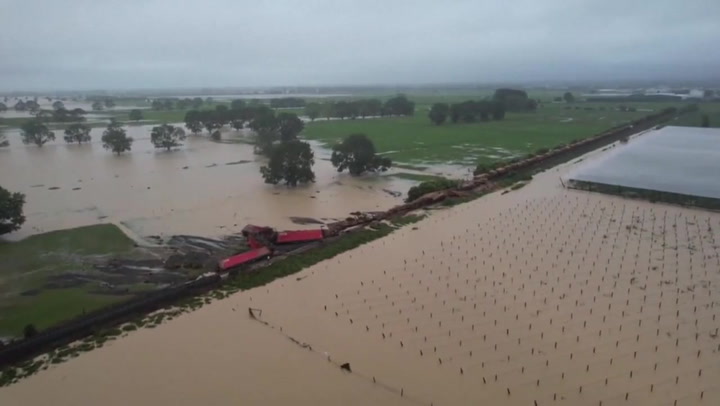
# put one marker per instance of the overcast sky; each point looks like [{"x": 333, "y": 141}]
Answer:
[{"x": 113, "y": 44}]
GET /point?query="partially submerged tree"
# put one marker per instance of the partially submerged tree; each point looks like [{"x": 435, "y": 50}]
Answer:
[
  {"x": 193, "y": 122},
  {"x": 167, "y": 136},
  {"x": 97, "y": 106},
  {"x": 36, "y": 132},
  {"x": 11, "y": 211},
  {"x": 77, "y": 133},
  {"x": 290, "y": 162},
  {"x": 267, "y": 127},
  {"x": 115, "y": 138},
  {"x": 568, "y": 97},
  {"x": 135, "y": 115},
  {"x": 57, "y": 105},
  {"x": 290, "y": 126},
  {"x": 357, "y": 154},
  {"x": 439, "y": 113},
  {"x": 211, "y": 120},
  {"x": 3, "y": 107}
]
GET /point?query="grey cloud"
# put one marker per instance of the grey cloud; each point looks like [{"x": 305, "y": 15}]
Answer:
[{"x": 173, "y": 43}]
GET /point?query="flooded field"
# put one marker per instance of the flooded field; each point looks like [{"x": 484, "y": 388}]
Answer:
[
  {"x": 204, "y": 188},
  {"x": 538, "y": 296}
]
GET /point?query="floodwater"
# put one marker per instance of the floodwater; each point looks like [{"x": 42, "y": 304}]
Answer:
[
  {"x": 538, "y": 296},
  {"x": 204, "y": 188}
]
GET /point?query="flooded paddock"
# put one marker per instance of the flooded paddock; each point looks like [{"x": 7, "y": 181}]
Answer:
[
  {"x": 540, "y": 296},
  {"x": 204, "y": 188}
]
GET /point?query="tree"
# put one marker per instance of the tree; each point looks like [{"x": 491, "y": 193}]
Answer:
[
  {"x": 77, "y": 114},
  {"x": 57, "y": 105},
  {"x": 357, "y": 154},
  {"x": 193, "y": 121},
  {"x": 29, "y": 331},
  {"x": 439, "y": 113},
  {"x": 237, "y": 123},
  {"x": 514, "y": 100},
  {"x": 97, "y": 106},
  {"x": 32, "y": 105},
  {"x": 109, "y": 103},
  {"x": 399, "y": 106},
  {"x": 3, "y": 107},
  {"x": 568, "y": 97},
  {"x": 455, "y": 110},
  {"x": 167, "y": 136},
  {"x": 11, "y": 211},
  {"x": 290, "y": 126},
  {"x": 20, "y": 106},
  {"x": 197, "y": 102},
  {"x": 135, "y": 115},
  {"x": 3, "y": 140},
  {"x": 157, "y": 105},
  {"x": 498, "y": 111},
  {"x": 115, "y": 138},
  {"x": 313, "y": 110},
  {"x": 211, "y": 120},
  {"x": 705, "y": 121},
  {"x": 36, "y": 132},
  {"x": 369, "y": 107},
  {"x": 44, "y": 115},
  {"x": 237, "y": 104},
  {"x": 290, "y": 162},
  {"x": 77, "y": 133}
]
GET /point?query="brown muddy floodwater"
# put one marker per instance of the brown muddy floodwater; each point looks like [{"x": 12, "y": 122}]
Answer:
[
  {"x": 204, "y": 188},
  {"x": 540, "y": 296}
]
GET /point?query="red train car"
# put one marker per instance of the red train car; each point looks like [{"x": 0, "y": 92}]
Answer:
[
  {"x": 244, "y": 258},
  {"x": 290, "y": 237}
]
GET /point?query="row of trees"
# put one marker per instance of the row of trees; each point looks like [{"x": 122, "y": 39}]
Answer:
[
  {"x": 467, "y": 111},
  {"x": 29, "y": 105},
  {"x": 114, "y": 137},
  {"x": 396, "y": 106}
]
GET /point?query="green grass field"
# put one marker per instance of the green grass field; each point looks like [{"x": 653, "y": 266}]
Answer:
[
  {"x": 415, "y": 140},
  {"x": 695, "y": 119},
  {"x": 26, "y": 265}
]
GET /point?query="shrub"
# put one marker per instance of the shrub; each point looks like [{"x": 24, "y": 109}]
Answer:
[
  {"x": 430, "y": 186},
  {"x": 30, "y": 331}
]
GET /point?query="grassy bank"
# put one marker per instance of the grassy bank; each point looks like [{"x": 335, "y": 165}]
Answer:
[{"x": 27, "y": 295}]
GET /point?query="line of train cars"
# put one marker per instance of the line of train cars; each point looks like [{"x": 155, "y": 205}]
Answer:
[{"x": 264, "y": 241}]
